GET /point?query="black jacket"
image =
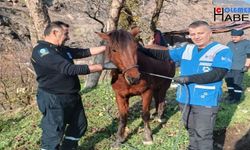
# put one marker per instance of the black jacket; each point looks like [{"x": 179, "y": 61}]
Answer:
[{"x": 55, "y": 69}]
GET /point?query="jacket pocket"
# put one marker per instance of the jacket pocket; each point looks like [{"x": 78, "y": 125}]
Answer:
[
  {"x": 205, "y": 95},
  {"x": 41, "y": 102}
]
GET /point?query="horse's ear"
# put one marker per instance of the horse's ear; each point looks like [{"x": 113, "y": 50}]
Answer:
[
  {"x": 103, "y": 36},
  {"x": 135, "y": 31}
]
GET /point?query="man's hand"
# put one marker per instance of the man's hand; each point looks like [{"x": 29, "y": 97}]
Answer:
[
  {"x": 181, "y": 80},
  {"x": 97, "y": 50},
  {"x": 244, "y": 69},
  {"x": 95, "y": 68},
  {"x": 109, "y": 66},
  {"x": 151, "y": 41}
]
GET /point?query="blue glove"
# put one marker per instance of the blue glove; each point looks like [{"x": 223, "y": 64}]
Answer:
[
  {"x": 181, "y": 80},
  {"x": 109, "y": 66}
]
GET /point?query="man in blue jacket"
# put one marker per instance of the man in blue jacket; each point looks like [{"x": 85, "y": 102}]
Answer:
[
  {"x": 241, "y": 62},
  {"x": 202, "y": 68}
]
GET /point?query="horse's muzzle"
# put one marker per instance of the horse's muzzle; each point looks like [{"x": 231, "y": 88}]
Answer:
[{"x": 133, "y": 80}]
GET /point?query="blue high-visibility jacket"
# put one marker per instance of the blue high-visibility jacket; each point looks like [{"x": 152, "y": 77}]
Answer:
[{"x": 192, "y": 61}]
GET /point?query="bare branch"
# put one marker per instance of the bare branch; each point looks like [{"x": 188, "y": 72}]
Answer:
[
  {"x": 96, "y": 9},
  {"x": 96, "y": 19},
  {"x": 156, "y": 14}
]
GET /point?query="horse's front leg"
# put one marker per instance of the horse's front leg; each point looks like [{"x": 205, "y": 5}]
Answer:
[
  {"x": 146, "y": 101},
  {"x": 123, "y": 107}
]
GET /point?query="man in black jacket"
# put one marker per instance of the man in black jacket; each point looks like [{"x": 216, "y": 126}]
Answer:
[{"x": 58, "y": 86}]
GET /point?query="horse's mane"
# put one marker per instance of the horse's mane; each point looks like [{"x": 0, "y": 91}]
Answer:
[
  {"x": 120, "y": 37},
  {"x": 159, "y": 38},
  {"x": 156, "y": 47}
]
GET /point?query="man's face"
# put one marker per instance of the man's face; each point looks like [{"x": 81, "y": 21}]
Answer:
[
  {"x": 62, "y": 35},
  {"x": 201, "y": 36},
  {"x": 236, "y": 38},
  {"x": 66, "y": 34}
]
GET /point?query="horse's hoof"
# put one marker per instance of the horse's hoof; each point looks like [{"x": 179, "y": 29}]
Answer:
[
  {"x": 160, "y": 120},
  {"x": 115, "y": 146},
  {"x": 148, "y": 139},
  {"x": 147, "y": 142}
]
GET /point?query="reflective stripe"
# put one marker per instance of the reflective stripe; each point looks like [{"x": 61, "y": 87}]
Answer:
[
  {"x": 188, "y": 52},
  {"x": 205, "y": 64},
  {"x": 71, "y": 138},
  {"x": 35, "y": 45},
  {"x": 33, "y": 60},
  {"x": 230, "y": 88},
  {"x": 208, "y": 106},
  {"x": 210, "y": 54},
  {"x": 43, "y": 149},
  {"x": 238, "y": 91},
  {"x": 205, "y": 87}
]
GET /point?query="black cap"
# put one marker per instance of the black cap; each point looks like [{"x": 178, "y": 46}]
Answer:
[{"x": 237, "y": 32}]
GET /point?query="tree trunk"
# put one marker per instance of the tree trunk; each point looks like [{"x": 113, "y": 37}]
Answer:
[
  {"x": 156, "y": 14},
  {"x": 114, "y": 14},
  {"x": 92, "y": 79},
  {"x": 40, "y": 18},
  {"x": 112, "y": 23}
]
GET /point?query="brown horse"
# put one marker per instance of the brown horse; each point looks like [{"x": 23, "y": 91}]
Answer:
[{"x": 131, "y": 79}]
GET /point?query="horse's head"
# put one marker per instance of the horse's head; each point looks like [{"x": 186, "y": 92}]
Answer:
[{"x": 122, "y": 51}]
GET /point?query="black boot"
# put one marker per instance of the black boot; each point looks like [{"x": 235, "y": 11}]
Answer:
[
  {"x": 230, "y": 96},
  {"x": 69, "y": 145},
  {"x": 237, "y": 97}
]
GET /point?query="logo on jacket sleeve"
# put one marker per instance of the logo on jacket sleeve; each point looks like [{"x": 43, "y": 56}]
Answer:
[
  {"x": 206, "y": 69},
  {"x": 43, "y": 52},
  {"x": 226, "y": 59}
]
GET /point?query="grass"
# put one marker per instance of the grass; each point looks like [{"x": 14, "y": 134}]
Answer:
[
  {"x": 232, "y": 114},
  {"x": 19, "y": 129},
  {"x": 101, "y": 133}
]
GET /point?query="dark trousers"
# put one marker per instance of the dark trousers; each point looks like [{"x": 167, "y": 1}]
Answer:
[
  {"x": 199, "y": 122},
  {"x": 234, "y": 80},
  {"x": 63, "y": 122}
]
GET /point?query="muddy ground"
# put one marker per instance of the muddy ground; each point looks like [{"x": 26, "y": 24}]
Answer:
[{"x": 233, "y": 138}]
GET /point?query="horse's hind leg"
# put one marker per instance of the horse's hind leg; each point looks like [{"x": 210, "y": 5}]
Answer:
[
  {"x": 159, "y": 97},
  {"x": 123, "y": 107},
  {"x": 146, "y": 100}
]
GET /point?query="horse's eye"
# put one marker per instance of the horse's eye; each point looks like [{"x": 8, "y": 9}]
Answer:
[{"x": 114, "y": 50}]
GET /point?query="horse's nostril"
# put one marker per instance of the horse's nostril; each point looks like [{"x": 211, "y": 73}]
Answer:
[
  {"x": 132, "y": 80},
  {"x": 136, "y": 79}
]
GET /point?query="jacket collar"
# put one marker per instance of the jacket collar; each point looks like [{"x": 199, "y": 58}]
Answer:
[{"x": 47, "y": 43}]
